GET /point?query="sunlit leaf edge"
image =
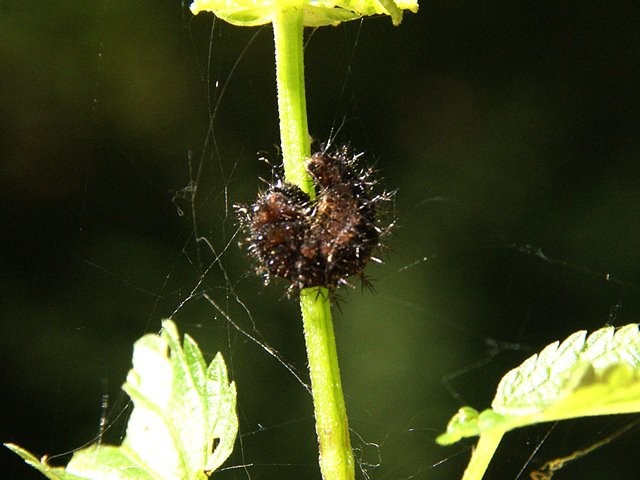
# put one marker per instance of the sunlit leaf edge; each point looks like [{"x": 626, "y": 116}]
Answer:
[
  {"x": 53, "y": 473},
  {"x": 318, "y": 13},
  {"x": 219, "y": 396},
  {"x": 599, "y": 375}
]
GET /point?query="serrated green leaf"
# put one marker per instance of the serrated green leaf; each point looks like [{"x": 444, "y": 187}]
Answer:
[
  {"x": 582, "y": 376},
  {"x": 105, "y": 462},
  {"x": 53, "y": 473},
  {"x": 181, "y": 407},
  {"x": 554, "y": 380},
  {"x": 224, "y": 426},
  {"x": 317, "y": 13}
]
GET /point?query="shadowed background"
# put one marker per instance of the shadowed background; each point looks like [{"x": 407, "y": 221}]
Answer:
[{"x": 510, "y": 130}]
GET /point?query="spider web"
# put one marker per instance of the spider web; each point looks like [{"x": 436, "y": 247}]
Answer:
[{"x": 476, "y": 276}]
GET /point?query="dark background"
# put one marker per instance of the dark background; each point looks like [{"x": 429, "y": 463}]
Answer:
[{"x": 510, "y": 130}]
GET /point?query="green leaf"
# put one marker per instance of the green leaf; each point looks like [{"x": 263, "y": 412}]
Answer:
[
  {"x": 317, "y": 13},
  {"x": 181, "y": 408},
  {"x": 605, "y": 367},
  {"x": 54, "y": 473},
  {"x": 582, "y": 376}
]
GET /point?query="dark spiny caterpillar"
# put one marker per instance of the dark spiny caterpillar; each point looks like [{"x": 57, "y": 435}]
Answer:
[{"x": 317, "y": 243}]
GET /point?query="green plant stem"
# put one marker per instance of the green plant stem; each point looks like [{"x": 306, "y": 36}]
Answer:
[
  {"x": 482, "y": 454},
  {"x": 292, "y": 104},
  {"x": 336, "y": 456}
]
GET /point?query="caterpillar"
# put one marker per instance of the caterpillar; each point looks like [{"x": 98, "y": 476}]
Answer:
[{"x": 321, "y": 242}]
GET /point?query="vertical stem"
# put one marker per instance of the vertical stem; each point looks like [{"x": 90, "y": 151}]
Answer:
[
  {"x": 292, "y": 103},
  {"x": 482, "y": 454},
  {"x": 336, "y": 457}
]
